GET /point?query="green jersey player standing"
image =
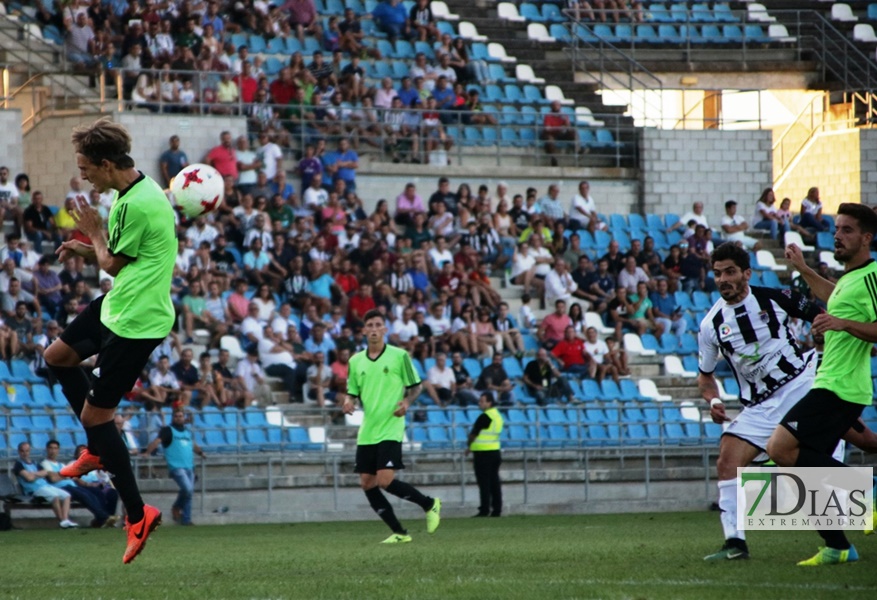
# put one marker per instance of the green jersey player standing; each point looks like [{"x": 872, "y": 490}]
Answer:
[
  {"x": 842, "y": 388},
  {"x": 383, "y": 378}
]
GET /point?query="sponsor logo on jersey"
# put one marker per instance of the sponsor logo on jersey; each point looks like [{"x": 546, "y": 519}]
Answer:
[{"x": 724, "y": 331}]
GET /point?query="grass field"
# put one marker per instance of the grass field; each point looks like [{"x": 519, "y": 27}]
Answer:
[{"x": 546, "y": 557}]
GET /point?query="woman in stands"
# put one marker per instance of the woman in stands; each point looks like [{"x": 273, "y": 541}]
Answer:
[
  {"x": 463, "y": 331},
  {"x": 382, "y": 217},
  {"x": 766, "y": 214},
  {"x": 672, "y": 268},
  {"x": 578, "y": 319},
  {"x": 22, "y": 184},
  {"x": 464, "y": 206}
]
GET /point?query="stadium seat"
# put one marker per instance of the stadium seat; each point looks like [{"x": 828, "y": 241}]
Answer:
[
  {"x": 723, "y": 13},
  {"x": 42, "y": 395},
  {"x": 669, "y": 344},
  {"x": 778, "y": 33},
  {"x": 276, "y": 45},
  {"x": 533, "y": 94},
  {"x": 770, "y": 279},
  {"x": 648, "y": 389},
  {"x": 551, "y": 13},
  {"x": 591, "y": 390},
  {"x": 256, "y": 44},
  {"x": 553, "y": 92},
  {"x": 678, "y": 12},
  {"x": 634, "y": 345},
  {"x": 524, "y": 73},
  {"x": 687, "y": 344},
  {"x": 755, "y": 34},
  {"x": 825, "y": 241},
  {"x": 497, "y": 52},
  {"x": 468, "y": 31},
  {"x": 528, "y": 12},
  {"x": 701, "y": 13},
  {"x": 827, "y": 256},
  {"x": 758, "y": 12},
  {"x": 605, "y": 33},
  {"x": 766, "y": 259},
  {"x": 843, "y": 13},
  {"x": 646, "y": 34},
  {"x": 507, "y": 11}
]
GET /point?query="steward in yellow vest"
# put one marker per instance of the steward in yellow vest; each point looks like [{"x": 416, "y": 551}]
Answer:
[{"x": 485, "y": 447}]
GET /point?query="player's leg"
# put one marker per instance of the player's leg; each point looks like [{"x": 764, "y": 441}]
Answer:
[
  {"x": 79, "y": 340},
  {"x": 389, "y": 459},
  {"x": 733, "y": 452},
  {"x": 366, "y": 466}
]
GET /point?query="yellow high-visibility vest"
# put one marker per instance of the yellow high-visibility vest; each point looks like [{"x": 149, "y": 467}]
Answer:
[{"x": 488, "y": 439}]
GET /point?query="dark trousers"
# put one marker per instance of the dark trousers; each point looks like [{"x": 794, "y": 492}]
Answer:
[{"x": 487, "y": 464}]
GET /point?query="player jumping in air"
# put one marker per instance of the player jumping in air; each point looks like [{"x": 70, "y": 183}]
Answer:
[{"x": 124, "y": 326}]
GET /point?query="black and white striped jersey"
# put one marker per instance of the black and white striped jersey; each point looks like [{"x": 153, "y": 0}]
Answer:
[{"x": 756, "y": 340}]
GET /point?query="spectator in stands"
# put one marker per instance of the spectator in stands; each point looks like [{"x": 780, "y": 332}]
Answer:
[
  {"x": 696, "y": 213},
  {"x": 766, "y": 216},
  {"x": 276, "y": 356},
  {"x": 555, "y": 127},
  {"x": 667, "y": 313},
  {"x": 251, "y": 373},
  {"x": 391, "y": 17},
  {"x": 559, "y": 283},
  {"x": 190, "y": 380},
  {"x": 614, "y": 258},
  {"x": 734, "y": 227},
  {"x": 164, "y": 383},
  {"x": 408, "y": 204},
  {"x": 544, "y": 382},
  {"x": 811, "y": 211},
  {"x": 179, "y": 446},
  {"x": 421, "y": 21},
  {"x": 570, "y": 351},
  {"x": 48, "y": 286},
  {"x": 232, "y": 389},
  {"x": 39, "y": 224},
  {"x": 319, "y": 379},
  {"x": 79, "y": 42},
  {"x": 692, "y": 271},
  {"x": 640, "y": 309},
  {"x": 524, "y": 270},
  {"x": 423, "y": 71},
  {"x": 302, "y": 18},
  {"x": 404, "y": 332},
  {"x": 14, "y": 295},
  {"x": 495, "y": 379},
  {"x": 583, "y": 210},
  {"x": 223, "y": 157},
  {"x": 631, "y": 275},
  {"x": 784, "y": 215},
  {"x": 602, "y": 360},
  {"x": 91, "y": 498},
  {"x": 551, "y": 329},
  {"x": 33, "y": 483},
  {"x": 172, "y": 160},
  {"x": 441, "y": 382},
  {"x": 445, "y": 101}
]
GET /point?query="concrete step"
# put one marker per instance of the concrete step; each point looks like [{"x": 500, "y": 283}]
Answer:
[
  {"x": 680, "y": 392},
  {"x": 646, "y": 370}
]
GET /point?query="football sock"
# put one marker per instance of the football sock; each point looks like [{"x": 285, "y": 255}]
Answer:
[
  {"x": 835, "y": 539},
  {"x": 75, "y": 385},
  {"x": 382, "y": 507},
  {"x": 728, "y": 506},
  {"x": 105, "y": 441},
  {"x": 408, "y": 492}
]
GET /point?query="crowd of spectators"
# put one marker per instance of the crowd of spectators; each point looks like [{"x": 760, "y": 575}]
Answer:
[{"x": 180, "y": 57}]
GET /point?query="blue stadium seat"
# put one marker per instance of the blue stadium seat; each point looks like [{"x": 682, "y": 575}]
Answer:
[
  {"x": 488, "y": 136},
  {"x": 623, "y": 32},
  {"x": 276, "y": 45},
  {"x": 712, "y": 431},
  {"x": 669, "y": 35},
  {"x": 669, "y": 344},
  {"x": 594, "y": 415},
  {"x": 771, "y": 280},
  {"x": 755, "y": 34},
  {"x": 591, "y": 391},
  {"x": 755, "y": 279},
  {"x": 273, "y": 65},
  {"x": 473, "y": 366},
  {"x": 733, "y": 33},
  {"x": 514, "y": 94},
  {"x": 618, "y": 222},
  {"x": 712, "y": 34},
  {"x": 604, "y": 32},
  {"x": 493, "y": 93},
  {"x": 551, "y": 13},
  {"x": 42, "y": 395},
  {"x": 254, "y": 417},
  {"x": 723, "y": 14},
  {"x": 497, "y": 73},
  {"x": 334, "y": 8},
  {"x": 509, "y": 137},
  {"x": 650, "y": 342},
  {"x": 646, "y": 34},
  {"x": 298, "y": 439},
  {"x": 586, "y": 138},
  {"x": 531, "y": 12},
  {"x": 528, "y": 136},
  {"x": 606, "y": 140},
  {"x": 701, "y": 13},
  {"x": 630, "y": 391},
  {"x": 399, "y": 69},
  {"x": 404, "y": 50},
  {"x": 633, "y": 415},
  {"x": 693, "y": 36},
  {"x": 825, "y": 240},
  {"x": 658, "y": 13},
  {"x": 20, "y": 421},
  {"x": 479, "y": 52},
  {"x": 256, "y": 44},
  {"x": 417, "y": 433},
  {"x": 437, "y": 417},
  {"x": 425, "y": 48},
  {"x": 688, "y": 344},
  {"x": 559, "y": 32},
  {"x": 446, "y": 27},
  {"x": 673, "y": 433},
  {"x": 610, "y": 390},
  {"x": 731, "y": 386},
  {"x": 637, "y": 222},
  {"x": 512, "y": 367},
  {"x": 678, "y": 12}
]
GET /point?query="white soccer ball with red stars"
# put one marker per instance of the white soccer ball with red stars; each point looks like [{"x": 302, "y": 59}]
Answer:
[{"x": 198, "y": 190}]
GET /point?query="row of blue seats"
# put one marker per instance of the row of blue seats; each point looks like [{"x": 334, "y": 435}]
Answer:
[
  {"x": 665, "y": 34},
  {"x": 646, "y": 412},
  {"x": 574, "y": 436},
  {"x": 656, "y": 13},
  {"x": 38, "y": 395}
]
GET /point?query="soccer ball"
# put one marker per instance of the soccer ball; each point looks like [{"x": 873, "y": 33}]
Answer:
[{"x": 198, "y": 190}]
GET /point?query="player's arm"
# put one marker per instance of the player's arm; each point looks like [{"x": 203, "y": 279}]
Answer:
[
  {"x": 863, "y": 331},
  {"x": 820, "y": 286}
]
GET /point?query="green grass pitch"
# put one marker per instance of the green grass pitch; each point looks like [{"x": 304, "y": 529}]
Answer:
[{"x": 634, "y": 556}]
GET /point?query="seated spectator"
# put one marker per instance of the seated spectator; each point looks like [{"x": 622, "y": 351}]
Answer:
[
  {"x": 33, "y": 483},
  {"x": 164, "y": 385},
  {"x": 734, "y": 227},
  {"x": 524, "y": 270},
  {"x": 10, "y": 299},
  {"x": 231, "y": 389},
  {"x": 190, "y": 380},
  {"x": 251, "y": 373},
  {"x": 391, "y": 17},
  {"x": 631, "y": 275},
  {"x": 667, "y": 313},
  {"x": 39, "y": 224},
  {"x": 556, "y": 127},
  {"x": 404, "y": 332},
  {"x": 544, "y": 382},
  {"x": 276, "y": 356},
  {"x": 495, "y": 379},
  {"x": 766, "y": 216},
  {"x": 408, "y": 204},
  {"x": 602, "y": 361},
  {"x": 92, "y": 498},
  {"x": 583, "y": 211},
  {"x": 79, "y": 42},
  {"x": 642, "y": 314},
  {"x": 441, "y": 382},
  {"x": 811, "y": 211},
  {"x": 551, "y": 329},
  {"x": 695, "y": 214},
  {"x": 302, "y": 18},
  {"x": 319, "y": 379},
  {"x": 692, "y": 271},
  {"x": 570, "y": 351},
  {"x": 559, "y": 283},
  {"x": 421, "y": 22}
]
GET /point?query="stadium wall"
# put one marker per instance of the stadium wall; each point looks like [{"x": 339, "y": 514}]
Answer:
[
  {"x": 836, "y": 163},
  {"x": 681, "y": 166},
  {"x": 10, "y": 142},
  {"x": 868, "y": 166}
]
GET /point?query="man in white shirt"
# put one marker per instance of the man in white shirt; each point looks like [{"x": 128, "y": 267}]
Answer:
[
  {"x": 734, "y": 227},
  {"x": 315, "y": 197},
  {"x": 165, "y": 384},
  {"x": 251, "y": 327},
  {"x": 201, "y": 231},
  {"x": 281, "y": 322},
  {"x": 248, "y": 165},
  {"x": 404, "y": 331},
  {"x": 583, "y": 210},
  {"x": 277, "y": 360},
  {"x": 270, "y": 155},
  {"x": 439, "y": 325},
  {"x": 253, "y": 376},
  {"x": 598, "y": 350},
  {"x": 441, "y": 383},
  {"x": 543, "y": 256},
  {"x": 631, "y": 275},
  {"x": 445, "y": 69},
  {"x": 559, "y": 284},
  {"x": 695, "y": 214},
  {"x": 439, "y": 255}
]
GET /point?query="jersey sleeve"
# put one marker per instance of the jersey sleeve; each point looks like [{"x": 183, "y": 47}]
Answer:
[
  {"x": 410, "y": 378},
  {"x": 353, "y": 383},
  {"x": 795, "y": 304},
  {"x": 128, "y": 232},
  {"x": 707, "y": 348}
]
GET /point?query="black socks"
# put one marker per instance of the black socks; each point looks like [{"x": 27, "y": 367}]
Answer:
[
  {"x": 75, "y": 384},
  {"x": 382, "y": 507},
  {"x": 105, "y": 441},
  {"x": 408, "y": 492}
]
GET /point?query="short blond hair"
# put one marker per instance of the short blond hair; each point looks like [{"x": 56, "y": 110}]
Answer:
[{"x": 104, "y": 140}]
